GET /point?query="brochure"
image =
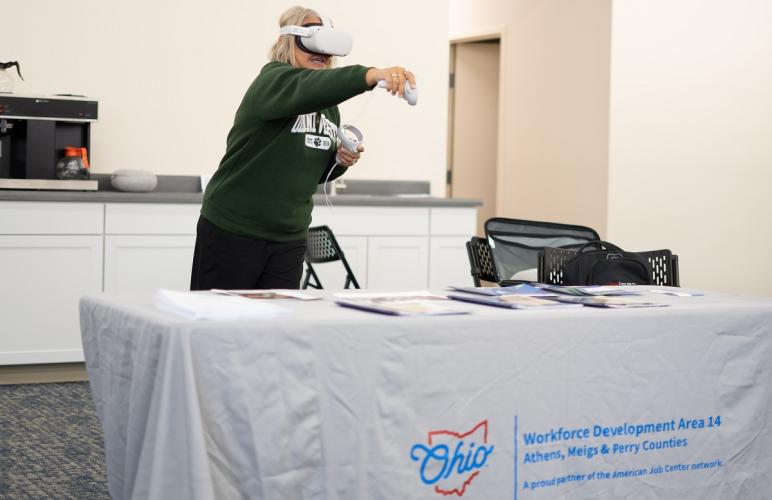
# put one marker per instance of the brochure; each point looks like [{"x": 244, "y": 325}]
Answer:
[
  {"x": 593, "y": 291},
  {"x": 522, "y": 289},
  {"x": 268, "y": 294},
  {"x": 399, "y": 303},
  {"x": 609, "y": 302},
  {"x": 676, "y": 292},
  {"x": 410, "y": 307},
  {"x": 514, "y": 301},
  {"x": 210, "y": 306},
  {"x": 421, "y": 294}
]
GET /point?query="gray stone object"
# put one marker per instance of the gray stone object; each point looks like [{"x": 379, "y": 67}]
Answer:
[{"x": 134, "y": 181}]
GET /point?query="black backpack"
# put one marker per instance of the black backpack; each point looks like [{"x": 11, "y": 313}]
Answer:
[{"x": 606, "y": 264}]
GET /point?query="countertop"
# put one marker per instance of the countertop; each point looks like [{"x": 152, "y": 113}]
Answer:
[{"x": 186, "y": 189}]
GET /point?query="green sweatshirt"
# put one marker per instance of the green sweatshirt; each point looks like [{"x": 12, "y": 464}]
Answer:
[{"x": 283, "y": 141}]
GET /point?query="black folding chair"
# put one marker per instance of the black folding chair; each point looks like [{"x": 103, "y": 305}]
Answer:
[
  {"x": 322, "y": 247},
  {"x": 481, "y": 261},
  {"x": 664, "y": 266},
  {"x": 515, "y": 244}
]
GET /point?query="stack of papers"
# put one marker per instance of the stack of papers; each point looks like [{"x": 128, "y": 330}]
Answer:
[
  {"x": 399, "y": 303},
  {"x": 609, "y": 302},
  {"x": 525, "y": 296},
  {"x": 522, "y": 289},
  {"x": 513, "y": 301},
  {"x": 268, "y": 294},
  {"x": 677, "y": 292},
  {"x": 592, "y": 291},
  {"x": 209, "y": 306}
]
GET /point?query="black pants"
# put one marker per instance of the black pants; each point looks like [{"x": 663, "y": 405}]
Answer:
[{"x": 230, "y": 261}]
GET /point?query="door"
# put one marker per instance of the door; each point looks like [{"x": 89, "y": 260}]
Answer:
[{"x": 474, "y": 117}]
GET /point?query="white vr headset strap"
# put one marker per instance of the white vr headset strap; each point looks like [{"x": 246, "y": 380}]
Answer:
[
  {"x": 320, "y": 39},
  {"x": 303, "y": 31},
  {"x": 295, "y": 30}
]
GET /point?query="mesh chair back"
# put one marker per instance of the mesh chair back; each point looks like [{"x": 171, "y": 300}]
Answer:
[
  {"x": 515, "y": 243},
  {"x": 322, "y": 247},
  {"x": 551, "y": 263},
  {"x": 481, "y": 261},
  {"x": 664, "y": 266}
]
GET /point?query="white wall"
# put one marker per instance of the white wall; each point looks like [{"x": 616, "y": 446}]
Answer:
[
  {"x": 553, "y": 128},
  {"x": 690, "y": 165},
  {"x": 169, "y": 76},
  {"x": 688, "y": 95}
]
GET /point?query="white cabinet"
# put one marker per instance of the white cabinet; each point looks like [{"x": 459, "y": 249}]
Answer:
[
  {"x": 43, "y": 280},
  {"x": 149, "y": 246},
  {"x": 450, "y": 229},
  {"x": 373, "y": 221},
  {"x": 395, "y": 240},
  {"x": 398, "y": 262},
  {"x": 51, "y": 218},
  {"x": 449, "y": 263},
  {"x": 407, "y": 247},
  {"x": 147, "y": 263},
  {"x": 453, "y": 221},
  {"x": 333, "y": 275},
  {"x": 151, "y": 218},
  {"x": 50, "y": 255}
]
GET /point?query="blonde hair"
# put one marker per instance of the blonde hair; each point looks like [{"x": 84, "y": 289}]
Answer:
[{"x": 284, "y": 48}]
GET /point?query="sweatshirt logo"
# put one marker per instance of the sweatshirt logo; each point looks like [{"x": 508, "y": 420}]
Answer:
[
  {"x": 320, "y": 133},
  {"x": 317, "y": 141}
]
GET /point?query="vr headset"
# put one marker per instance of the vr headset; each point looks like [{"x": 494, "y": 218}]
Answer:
[{"x": 317, "y": 38}]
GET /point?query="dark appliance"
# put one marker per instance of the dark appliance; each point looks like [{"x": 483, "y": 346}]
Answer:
[{"x": 34, "y": 130}]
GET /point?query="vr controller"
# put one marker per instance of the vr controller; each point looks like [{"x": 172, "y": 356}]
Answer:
[
  {"x": 351, "y": 137},
  {"x": 411, "y": 94}
]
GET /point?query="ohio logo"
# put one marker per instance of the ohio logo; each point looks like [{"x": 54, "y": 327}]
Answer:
[{"x": 452, "y": 460}]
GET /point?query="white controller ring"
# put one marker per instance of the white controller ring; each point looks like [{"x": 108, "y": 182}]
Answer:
[
  {"x": 349, "y": 142},
  {"x": 411, "y": 94}
]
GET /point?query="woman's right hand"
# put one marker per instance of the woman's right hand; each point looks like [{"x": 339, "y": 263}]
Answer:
[{"x": 395, "y": 77}]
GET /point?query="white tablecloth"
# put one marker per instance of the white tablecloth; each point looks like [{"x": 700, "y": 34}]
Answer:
[{"x": 333, "y": 403}]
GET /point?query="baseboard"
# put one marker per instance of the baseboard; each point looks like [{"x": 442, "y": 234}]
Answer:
[{"x": 42, "y": 374}]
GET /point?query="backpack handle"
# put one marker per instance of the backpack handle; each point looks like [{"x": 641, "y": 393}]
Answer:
[{"x": 601, "y": 245}]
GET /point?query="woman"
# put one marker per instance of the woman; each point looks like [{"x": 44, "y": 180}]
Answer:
[{"x": 257, "y": 206}]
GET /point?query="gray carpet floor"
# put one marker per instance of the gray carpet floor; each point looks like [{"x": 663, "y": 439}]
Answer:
[{"x": 51, "y": 444}]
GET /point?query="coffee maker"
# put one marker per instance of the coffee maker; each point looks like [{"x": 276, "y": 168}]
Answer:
[{"x": 34, "y": 132}]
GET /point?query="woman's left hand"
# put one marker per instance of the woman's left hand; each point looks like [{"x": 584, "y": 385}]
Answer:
[{"x": 348, "y": 158}]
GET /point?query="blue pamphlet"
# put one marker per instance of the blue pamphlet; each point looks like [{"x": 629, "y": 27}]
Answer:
[
  {"x": 514, "y": 301},
  {"x": 608, "y": 302},
  {"x": 593, "y": 291},
  {"x": 522, "y": 289}
]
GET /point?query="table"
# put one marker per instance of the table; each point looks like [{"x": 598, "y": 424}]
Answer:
[{"x": 335, "y": 403}]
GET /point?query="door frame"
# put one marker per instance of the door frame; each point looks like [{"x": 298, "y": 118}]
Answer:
[{"x": 497, "y": 32}]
